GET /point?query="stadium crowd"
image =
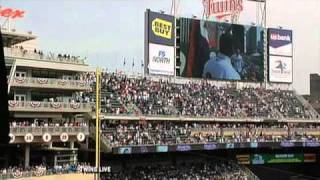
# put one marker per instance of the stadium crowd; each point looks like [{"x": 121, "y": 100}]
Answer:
[
  {"x": 124, "y": 95},
  {"x": 169, "y": 133},
  {"x": 42, "y": 170},
  {"x": 121, "y": 94},
  {"x": 185, "y": 170}
]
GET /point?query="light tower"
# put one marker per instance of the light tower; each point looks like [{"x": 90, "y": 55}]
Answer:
[
  {"x": 175, "y": 4},
  {"x": 261, "y": 12}
]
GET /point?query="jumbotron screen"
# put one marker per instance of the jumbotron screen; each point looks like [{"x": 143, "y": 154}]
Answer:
[{"x": 221, "y": 51}]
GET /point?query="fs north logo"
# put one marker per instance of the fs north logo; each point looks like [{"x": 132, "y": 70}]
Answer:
[
  {"x": 162, "y": 28},
  {"x": 161, "y": 58}
]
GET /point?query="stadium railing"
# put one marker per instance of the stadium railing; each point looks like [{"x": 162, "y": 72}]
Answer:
[
  {"x": 42, "y": 106},
  {"x": 18, "y": 53},
  {"x": 197, "y": 118},
  {"x": 50, "y": 83},
  {"x": 21, "y": 131}
]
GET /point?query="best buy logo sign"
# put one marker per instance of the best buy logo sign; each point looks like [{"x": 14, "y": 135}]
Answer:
[{"x": 162, "y": 28}]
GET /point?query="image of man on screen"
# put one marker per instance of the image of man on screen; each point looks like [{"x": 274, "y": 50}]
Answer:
[
  {"x": 221, "y": 51},
  {"x": 220, "y": 66}
]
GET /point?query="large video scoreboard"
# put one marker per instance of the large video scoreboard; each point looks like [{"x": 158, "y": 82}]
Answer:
[{"x": 194, "y": 48}]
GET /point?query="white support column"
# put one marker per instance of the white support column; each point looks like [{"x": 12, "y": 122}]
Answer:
[
  {"x": 71, "y": 144},
  {"x": 74, "y": 158},
  {"x": 27, "y": 155},
  {"x": 55, "y": 160},
  {"x": 50, "y": 145}
]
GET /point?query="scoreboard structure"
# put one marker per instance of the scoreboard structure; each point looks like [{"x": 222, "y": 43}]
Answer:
[
  {"x": 159, "y": 43},
  {"x": 222, "y": 51}
]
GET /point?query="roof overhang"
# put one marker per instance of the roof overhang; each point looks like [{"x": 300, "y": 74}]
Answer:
[{"x": 12, "y": 38}]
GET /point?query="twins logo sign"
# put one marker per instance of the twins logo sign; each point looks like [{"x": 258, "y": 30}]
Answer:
[
  {"x": 161, "y": 59},
  {"x": 221, "y": 8},
  {"x": 282, "y": 66}
]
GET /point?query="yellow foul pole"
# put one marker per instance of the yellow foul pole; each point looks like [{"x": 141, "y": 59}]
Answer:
[{"x": 98, "y": 123}]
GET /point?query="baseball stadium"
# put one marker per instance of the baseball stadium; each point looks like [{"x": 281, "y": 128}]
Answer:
[{"x": 168, "y": 90}]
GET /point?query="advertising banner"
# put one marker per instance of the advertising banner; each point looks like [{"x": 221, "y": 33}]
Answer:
[
  {"x": 159, "y": 44},
  {"x": 161, "y": 28},
  {"x": 253, "y": 144},
  {"x": 183, "y": 148},
  {"x": 221, "y": 9},
  {"x": 162, "y": 149},
  {"x": 212, "y": 147},
  {"x": 144, "y": 149},
  {"x": 243, "y": 159},
  {"x": 280, "y": 55},
  {"x": 125, "y": 150},
  {"x": 161, "y": 59},
  {"x": 280, "y": 42},
  {"x": 277, "y": 158},
  {"x": 221, "y": 51},
  {"x": 7, "y": 12},
  {"x": 310, "y": 158},
  {"x": 280, "y": 69},
  {"x": 239, "y": 11},
  {"x": 209, "y": 146},
  {"x": 229, "y": 146}
]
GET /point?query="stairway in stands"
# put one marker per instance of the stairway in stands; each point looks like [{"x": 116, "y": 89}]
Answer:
[
  {"x": 104, "y": 142},
  {"x": 110, "y": 100},
  {"x": 307, "y": 105}
]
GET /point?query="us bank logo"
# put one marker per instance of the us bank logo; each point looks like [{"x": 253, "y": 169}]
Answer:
[
  {"x": 279, "y": 37},
  {"x": 162, "y": 28}
]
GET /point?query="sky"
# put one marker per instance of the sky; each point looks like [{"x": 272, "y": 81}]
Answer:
[{"x": 107, "y": 31}]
